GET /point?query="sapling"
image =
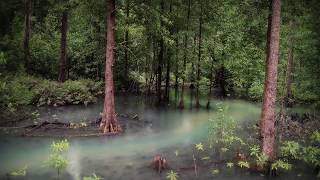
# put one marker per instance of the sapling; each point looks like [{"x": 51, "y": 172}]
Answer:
[
  {"x": 56, "y": 159},
  {"x": 172, "y": 175}
]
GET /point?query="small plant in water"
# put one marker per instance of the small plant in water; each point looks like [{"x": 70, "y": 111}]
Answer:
[
  {"x": 244, "y": 164},
  {"x": 229, "y": 164},
  {"x": 20, "y": 172},
  {"x": 93, "y": 177},
  {"x": 215, "y": 171},
  {"x": 172, "y": 175},
  {"x": 56, "y": 159},
  {"x": 199, "y": 147}
]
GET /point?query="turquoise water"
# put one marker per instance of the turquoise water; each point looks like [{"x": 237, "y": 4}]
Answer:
[{"x": 128, "y": 156}]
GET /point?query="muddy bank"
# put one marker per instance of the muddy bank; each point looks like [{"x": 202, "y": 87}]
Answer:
[{"x": 24, "y": 123}]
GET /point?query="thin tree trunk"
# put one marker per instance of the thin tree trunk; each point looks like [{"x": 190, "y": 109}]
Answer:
[
  {"x": 169, "y": 54},
  {"x": 199, "y": 58},
  {"x": 109, "y": 122},
  {"x": 160, "y": 60},
  {"x": 176, "y": 84},
  {"x": 126, "y": 57},
  {"x": 181, "y": 104},
  {"x": 167, "y": 89},
  {"x": 289, "y": 73},
  {"x": 63, "y": 51},
  {"x": 211, "y": 81},
  {"x": 267, "y": 127},
  {"x": 27, "y": 31}
]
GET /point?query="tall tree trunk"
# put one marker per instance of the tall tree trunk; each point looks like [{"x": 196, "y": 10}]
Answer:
[
  {"x": 169, "y": 54},
  {"x": 109, "y": 122},
  {"x": 167, "y": 89},
  {"x": 63, "y": 50},
  {"x": 27, "y": 31},
  {"x": 176, "y": 84},
  {"x": 211, "y": 81},
  {"x": 160, "y": 60},
  {"x": 267, "y": 127},
  {"x": 199, "y": 58},
  {"x": 289, "y": 73},
  {"x": 126, "y": 57},
  {"x": 181, "y": 104}
]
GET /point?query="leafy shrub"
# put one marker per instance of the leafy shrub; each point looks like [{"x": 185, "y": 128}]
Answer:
[
  {"x": 24, "y": 90},
  {"x": 256, "y": 90},
  {"x": 280, "y": 164},
  {"x": 290, "y": 149},
  {"x": 311, "y": 154}
]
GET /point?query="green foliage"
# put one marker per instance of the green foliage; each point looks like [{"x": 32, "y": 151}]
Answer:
[
  {"x": 57, "y": 162},
  {"x": 93, "y": 177},
  {"x": 280, "y": 164},
  {"x": 243, "y": 164},
  {"x": 222, "y": 129},
  {"x": 59, "y": 147},
  {"x": 290, "y": 149},
  {"x": 261, "y": 158},
  {"x": 215, "y": 171},
  {"x": 311, "y": 155},
  {"x": 172, "y": 175},
  {"x": 20, "y": 172},
  {"x": 199, "y": 147},
  {"x": 229, "y": 164},
  {"x": 24, "y": 90},
  {"x": 56, "y": 159},
  {"x": 70, "y": 92},
  {"x": 315, "y": 137}
]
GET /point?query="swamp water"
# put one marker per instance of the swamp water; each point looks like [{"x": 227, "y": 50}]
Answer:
[{"x": 168, "y": 131}]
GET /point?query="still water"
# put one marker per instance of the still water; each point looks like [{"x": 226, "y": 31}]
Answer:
[{"x": 129, "y": 156}]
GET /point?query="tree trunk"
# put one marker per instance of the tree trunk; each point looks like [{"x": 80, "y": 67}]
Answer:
[
  {"x": 160, "y": 60},
  {"x": 181, "y": 104},
  {"x": 26, "y": 38},
  {"x": 63, "y": 51},
  {"x": 126, "y": 41},
  {"x": 169, "y": 54},
  {"x": 267, "y": 127},
  {"x": 176, "y": 84},
  {"x": 199, "y": 58},
  {"x": 211, "y": 81},
  {"x": 109, "y": 122},
  {"x": 289, "y": 74}
]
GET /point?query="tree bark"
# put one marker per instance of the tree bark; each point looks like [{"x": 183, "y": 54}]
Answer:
[
  {"x": 211, "y": 81},
  {"x": 126, "y": 57},
  {"x": 176, "y": 84},
  {"x": 199, "y": 57},
  {"x": 267, "y": 127},
  {"x": 169, "y": 54},
  {"x": 109, "y": 122},
  {"x": 27, "y": 32},
  {"x": 289, "y": 74},
  {"x": 181, "y": 104},
  {"x": 160, "y": 60},
  {"x": 63, "y": 48}
]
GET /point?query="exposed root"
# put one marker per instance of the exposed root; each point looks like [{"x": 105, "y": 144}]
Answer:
[{"x": 159, "y": 163}]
